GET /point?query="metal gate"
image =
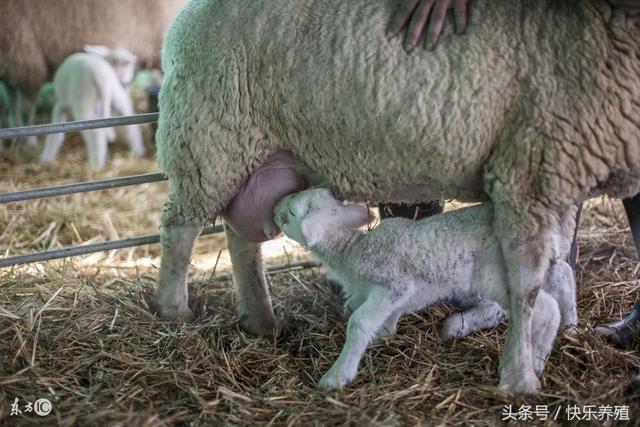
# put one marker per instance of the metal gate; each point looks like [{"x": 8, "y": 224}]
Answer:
[{"x": 82, "y": 187}]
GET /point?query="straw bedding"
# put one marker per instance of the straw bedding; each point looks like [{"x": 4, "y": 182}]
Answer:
[{"x": 82, "y": 334}]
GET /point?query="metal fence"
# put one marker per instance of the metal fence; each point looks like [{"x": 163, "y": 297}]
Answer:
[{"x": 82, "y": 187}]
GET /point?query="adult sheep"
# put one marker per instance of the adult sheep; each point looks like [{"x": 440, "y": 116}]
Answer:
[
  {"x": 535, "y": 119},
  {"x": 36, "y": 37}
]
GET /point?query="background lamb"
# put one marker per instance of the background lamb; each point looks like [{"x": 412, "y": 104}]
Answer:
[
  {"x": 88, "y": 86},
  {"x": 403, "y": 265},
  {"x": 535, "y": 120},
  {"x": 51, "y": 31}
]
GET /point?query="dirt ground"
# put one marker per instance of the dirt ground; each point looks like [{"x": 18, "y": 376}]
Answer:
[{"x": 81, "y": 332}]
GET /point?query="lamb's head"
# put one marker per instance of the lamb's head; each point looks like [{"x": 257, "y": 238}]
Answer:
[
  {"x": 123, "y": 61},
  {"x": 309, "y": 215}
]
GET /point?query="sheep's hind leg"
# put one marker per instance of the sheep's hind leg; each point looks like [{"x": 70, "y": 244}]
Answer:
[
  {"x": 486, "y": 314},
  {"x": 252, "y": 292},
  {"x": 527, "y": 257},
  {"x": 172, "y": 297},
  {"x": 544, "y": 328},
  {"x": 561, "y": 285}
]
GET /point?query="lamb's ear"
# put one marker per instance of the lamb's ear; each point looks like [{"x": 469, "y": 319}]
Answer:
[
  {"x": 354, "y": 216},
  {"x": 313, "y": 228},
  {"x": 97, "y": 49}
]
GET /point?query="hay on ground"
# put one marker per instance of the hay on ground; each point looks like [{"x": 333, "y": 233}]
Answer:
[{"x": 82, "y": 333}]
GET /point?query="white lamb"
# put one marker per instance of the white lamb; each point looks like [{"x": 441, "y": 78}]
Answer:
[
  {"x": 403, "y": 265},
  {"x": 89, "y": 85}
]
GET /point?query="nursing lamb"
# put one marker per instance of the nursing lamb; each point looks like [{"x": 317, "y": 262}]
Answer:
[
  {"x": 88, "y": 86},
  {"x": 535, "y": 120},
  {"x": 404, "y": 265}
]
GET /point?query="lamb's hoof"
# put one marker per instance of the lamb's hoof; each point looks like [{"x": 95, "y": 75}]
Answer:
[
  {"x": 259, "y": 325},
  {"x": 333, "y": 286},
  {"x": 175, "y": 312},
  {"x": 520, "y": 385},
  {"x": 332, "y": 381},
  {"x": 451, "y": 327},
  {"x": 538, "y": 365},
  {"x": 569, "y": 330}
]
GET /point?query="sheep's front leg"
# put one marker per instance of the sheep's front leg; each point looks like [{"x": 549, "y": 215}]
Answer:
[
  {"x": 361, "y": 328},
  {"x": 252, "y": 293},
  {"x": 172, "y": 297},
  {"x": 486, "y": 314}
]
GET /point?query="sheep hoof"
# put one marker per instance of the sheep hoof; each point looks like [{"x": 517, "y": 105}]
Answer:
[
  {"x": 520, "y": 384},
  {"x": 265, "y": 325},
  {"x": 175, "y": 312}
]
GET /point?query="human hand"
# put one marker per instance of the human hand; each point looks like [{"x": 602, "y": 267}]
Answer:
[{"x": 416, "y": 13}]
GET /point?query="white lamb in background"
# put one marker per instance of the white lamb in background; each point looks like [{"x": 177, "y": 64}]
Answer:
[
  {"x": 403, "y": 265},
  {"x": 88, "y": 86}
]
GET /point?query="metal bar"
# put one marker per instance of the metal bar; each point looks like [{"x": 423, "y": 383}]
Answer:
[
  {"x": 78, "y": 125},
  {"x": 295, "y": 265},
  {"x": 277, "y": 269},
  {"x": 91, "y": 248},
  {"x": 81, "y": 187}
]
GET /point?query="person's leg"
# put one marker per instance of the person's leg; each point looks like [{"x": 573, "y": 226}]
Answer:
[
  {"x": 415, "y": 211},
  {"x": 626, "y": 331}
]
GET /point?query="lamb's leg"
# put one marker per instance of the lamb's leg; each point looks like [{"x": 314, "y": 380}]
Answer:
[
  {"x": 122, "y": 102},
  {"x": 252, "y": 292},
  {"x": 54, "y": 140},
  {"x": 27, "y": 103},
  {"x": 390, "y": 325},
  {"x": 486, "y": 314},
  {"x": 31, "y": 120},
  {"x": 95, "y": 140},
  {"x": 526, "y": 256},
  {"x": 544, "y": 328},
  {"x": 172, "y": 297},
  {"x": 561, "y": 285},
  {"x": 361, "y": 328}
]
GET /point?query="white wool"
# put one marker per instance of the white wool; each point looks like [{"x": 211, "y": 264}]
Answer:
[{"x": 404, "y": 265}]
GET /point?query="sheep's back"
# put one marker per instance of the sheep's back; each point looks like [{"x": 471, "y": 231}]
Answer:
[{"x": 319, "y": 78}]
